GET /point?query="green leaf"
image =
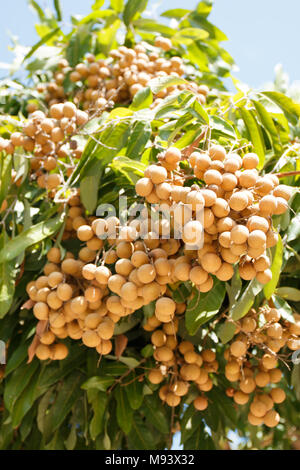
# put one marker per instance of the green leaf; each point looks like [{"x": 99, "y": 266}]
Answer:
[
  {"x": 124, "y": 411},
  {"x": 132, "y": 10},
  {"x": 295, "y": 380},
  {"x": 99, "y": 404},
  {"x": 175, "y": 13},
  {"x": 288, "y": 106},
  {"x": 284, "y": 308},
  {"x": 158, "y": 417},
  {"x": 139, "y": 137},
  {"x": 203, "y": 307},
  {"x": 220, "y": 127},
  {"x": 200, "y": 112},
  {"x": 268, "y": 123},
  {"x": 270, "y": 287},
  {"x": 142, "y": 99},
  {"x": 288, "y": 293},
  {"x": 8, "y": 274},
  {"x": 189, "y": 35},
  {"x": 134, "y": 390},
  {"x": 44, "y": 40},
  {"x": 98, "y": 383},
  {"x": 243, "y": 304},
  {"x": 89, "y": 186},
  {"x": 68, "y": 393},
  {"x": 117, "y": 5},
  {"x": 255, "y": 135},
  {"x": 35, "y": 234},
  {"x": 226, "y": 332},
  {"x": 17, "y": 382},
  {"x": 140, "y": 436},
  {"x": 57, "y": 7},
  {"x": 158, "y": 84}
]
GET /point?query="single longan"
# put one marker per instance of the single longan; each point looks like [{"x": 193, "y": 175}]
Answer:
[
  {"x": 42, "y": 352},
  {"x": 64, "y": 292},
  {"x": 240, "y": 397},
  {"x": 250, "y": 161},
  {"x": 271, "y": 419},
  {"x": 200, "y": 403},
  {"x": 144, "y": 187},
  {"x": 238, "y": 201},
  {"x": 211, "y": 262},
  {"x": 278, "y": 395},
  {"x": 59, "y": 352},
  {"x": 239, "y": 234},
  {"x": 264, "y": 276},
  {"x": 54, "y": 255},
  {"x": 247, "y": 385},
  {"x": 213, "y": 177},
  {"x": 238, "y": 348},
  {"x": 225, "y": 272},
  {"x": 155, "y": 376},
  {"x": 248, "y": 178},
  {"x": 217, "y": 152}
]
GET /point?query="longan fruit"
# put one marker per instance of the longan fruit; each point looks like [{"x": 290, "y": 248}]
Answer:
[
  {"x": 106, "y": 329},
  {"x": 254, "y": 420},
  {"x": 164, "y": 354},
  {"x": 213, "y": 177},
  {"x": 209, "y": 197},
  {"x": 41, "y": 311},
  {"x": 78, "y": 305},
  {"x": 238, "y": 348},
  {"x": 102, "y": 274},
  {"x": 271, "y": 419},
  {"x": 207, "y": 386},
  {"x": 69, "y": 110},
  {"x": 275, "y": 331},
  {"x": 146, "y": 273},
  {"x": 232, "y": 367},
  {"x": 239, "y": 234},
  {"x": 211, "y": 262},
  {"x": 70, "y": 266},
  {"x": 275, "y": 375},
  {"x": 272, "y": 315},
  {"x": 192, "y": 233},
  {"x": 240, "y": 397},
  {"x": 155, "y": 376},
  {"x": 185, "y": 346},
  {"x": 268, "y": 204},
  {"x": 225, "y": 239},
  {"x": 54, "y": 255},
  {"x": 261, "y": 263},
  {"x": 43, "y": 352},
  {"x": 256, "y": 239},
  {"x": 124, "y": 249},
  {"x": 200, "y": 403},
  {"x": 225, "y": 272},
  {"x": 172, "y": 399},
  {"x": 248, "y": 325},
  {"x": 256, "y": 222},
  {"x": 55, "y": 278},
  {"x": 198, "y": 275},
  {"x": 281, "y": 206},
  {"x": 231, "y": 165},
  {"x": 283, "y": 191},
  {"x": 180, "y": 388},
  {"x": 264, "y": 276},
  {"x": 104, "y": 347},
  {"x": 90, "y": 338},
  {"x": 217, "y": 152},
  {"x": 64, "y": 292},
  {"x": 88, "y": 271},
  {"x": 59, "y": 352},
  {"x": 250, "y": 161},
  {"x": 85, "y": 233},
  {"x": 238, "y": 201},
  {"x": 269, "y": 361},
  {"x": 278, "y": 395},
  {"x": 220, "y": 208},
  {"x": 262, "y": 379},
  {"x": 190, "y": 372},
  {"x": 206, "y": 286},
  {"x": 208, "y": 355},
  {"x": 248, "y": 178},
  {"x": 129, "y": 291}
]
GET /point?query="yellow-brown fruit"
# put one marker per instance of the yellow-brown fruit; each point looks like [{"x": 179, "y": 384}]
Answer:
[
  {"x": 64, "y": 292},
  {"x": 211, "y": 262},
  {"x": 240, "y": 397},
  {"x": 70, "y": 266},
  {"x": 190, "y": 372},
  {"x": 78, "y": 305},
  {"x": 264, "y": 276},
  {"x": 247, "y": 271},
  {"x": 275, "y": 375},
  {"x": 106, "y": 329},
  {"x": 254, "y": 420},
  {"x": 217, "y": 152},
  {"x": 250, "y": 161},
  {"x": 144, "y": 187},
  {"x": 278, "y": 395},
  {"x": 41, "y": 311},
  {"x": 47, "y": 337},
  {"x": 238, "y": 201},
  {"x": 180, "y": 388},
  {"x": 59, "y": 352},
  {"x": 54, "y": 255},
  {"x": 185, "y": 346},
  {"x": 164, "y": 354},
  {"x": 258, "y": 408},
  {"x": 269, "y": 361},
  {"x": 239, "y": 234},
  {"x": 248, "y": 325},
  {"x": 271, "y": 419},
  {"x": 238, "y": 348},
  {"x": 198, "y": 275},
  {"x": 213, "y": 177},
  {"x": 225, "y": 272},
  {"x": 155, "y": 376},
  {"x": 90, "y": 338},
  {"x": 283, "y": 191},
  {"x": 43, "y": 352},
  {"x": 275, "y": 331},
  {"x": 172, "y": 399},
  {"x": 200, "y": 403},
  {"x": 104, "y": 347},
  {"x": 262, "y": 379},
  {"x": 248, "y": 178}
]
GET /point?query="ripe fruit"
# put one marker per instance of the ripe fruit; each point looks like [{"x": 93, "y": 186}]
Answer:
[{"x": 200, "y": 403}]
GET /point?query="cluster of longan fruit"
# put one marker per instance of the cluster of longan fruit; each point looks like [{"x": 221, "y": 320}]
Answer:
[
  {"x": 46, "y": 138},
  {"x": 252, "y": 363},
  {"x": 103, "y": 82},
  {"x": 177, "y": 363},
  {"x": 237, "y": 207}
]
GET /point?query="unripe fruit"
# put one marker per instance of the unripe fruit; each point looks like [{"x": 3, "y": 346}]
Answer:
[{"x": 200, "y": 403}]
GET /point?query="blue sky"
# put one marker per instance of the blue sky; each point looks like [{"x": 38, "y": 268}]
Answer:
[{"x": 262, "y": 33}]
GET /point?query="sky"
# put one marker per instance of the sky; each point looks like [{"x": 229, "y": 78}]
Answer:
[{"x": 261, "y": 33}]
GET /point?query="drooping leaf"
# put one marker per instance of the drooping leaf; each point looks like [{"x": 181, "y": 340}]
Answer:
[
  {"x": 270, "y": 287},
  {"x": 243, "y": 304},
  {"x": 203, "y": 307}
]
